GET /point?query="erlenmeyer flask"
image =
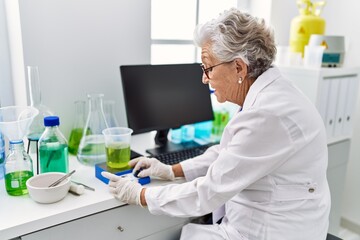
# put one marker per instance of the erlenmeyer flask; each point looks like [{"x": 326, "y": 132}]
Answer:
[
  {"x": 37, "y": 126},
  {"x": 109, "y": 111},
  {"x": 92, "y": 145},
  {"x": 78, "y": 127}
]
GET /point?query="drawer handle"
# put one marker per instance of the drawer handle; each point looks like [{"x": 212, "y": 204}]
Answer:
[{"x": 120, "y": 228}]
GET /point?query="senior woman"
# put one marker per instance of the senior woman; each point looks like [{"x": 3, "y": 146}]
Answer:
[{"x": 267, "y": 177}]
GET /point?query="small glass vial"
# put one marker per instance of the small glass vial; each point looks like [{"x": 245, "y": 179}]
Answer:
[
  {"x": 78, "y": 127},
  {"x": 18, "y": 169},
  {"x": 53, "y": 147}
]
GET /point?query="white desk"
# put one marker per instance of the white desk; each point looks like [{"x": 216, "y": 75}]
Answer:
[{"x": 93, "y": 215}]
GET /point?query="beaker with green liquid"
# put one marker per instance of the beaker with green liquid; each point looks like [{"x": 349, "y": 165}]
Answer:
[{"x": 117, "y": 145}]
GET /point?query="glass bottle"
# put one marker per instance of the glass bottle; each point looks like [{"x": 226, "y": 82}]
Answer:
[
  {"x": 2, "y": 156},
  {"x": 2, "y": 153},
  {"x": 53, "y": 148},
  {"x": 109, "y": 112},
  {"x": 36, "y": 127},
  {"x": 18, "y": 169},
  {"x": 78, "y": 127},
  {"x": 92, "y": 145},
  {"x": 221, "y": 118}
]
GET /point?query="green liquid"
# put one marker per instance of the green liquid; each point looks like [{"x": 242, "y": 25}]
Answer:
[
  {"x": 118, "y": 155},
  {"x": 74, "y": 140},
  {"x": 219, "y": 123},
  {"x": 54, "y": 158},
  {"x": 15, "y": 182}
]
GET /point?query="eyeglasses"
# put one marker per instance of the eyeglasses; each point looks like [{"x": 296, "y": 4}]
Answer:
[{"x": 209, "y": 69}]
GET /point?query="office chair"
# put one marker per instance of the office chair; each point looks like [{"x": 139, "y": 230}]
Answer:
[{"x": 332, "y": 237}]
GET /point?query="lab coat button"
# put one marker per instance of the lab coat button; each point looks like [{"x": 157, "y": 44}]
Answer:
[{"x": 311, "y": 190}]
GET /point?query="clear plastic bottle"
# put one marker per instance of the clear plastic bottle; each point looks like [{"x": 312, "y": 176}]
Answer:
[
  {"x": 18, "y": 169},
  {"x": 78, "y": 127},
  {"x": 53, "y": 148},
  {"x": 92, "y": 145},
  {"x": 36, "y": 127}
]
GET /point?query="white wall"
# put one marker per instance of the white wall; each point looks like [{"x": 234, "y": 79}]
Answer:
[
  {"x": 79, "y": 46},
  {"x": 6, "y": 94},
  {"x": 341, "y": 17}
]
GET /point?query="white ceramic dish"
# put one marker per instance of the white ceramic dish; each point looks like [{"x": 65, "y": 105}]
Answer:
[{"x": 39, "y": 190}]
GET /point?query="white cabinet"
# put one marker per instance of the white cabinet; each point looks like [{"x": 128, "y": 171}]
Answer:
[
  {"x": 334, "y": 93},
  {"x": 127, "y": 222}
]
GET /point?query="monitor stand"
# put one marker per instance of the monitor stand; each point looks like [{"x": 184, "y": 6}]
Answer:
[{"x": 166, "y": 146}]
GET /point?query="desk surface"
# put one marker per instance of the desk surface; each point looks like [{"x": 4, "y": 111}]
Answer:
[{"x": 20, "y": 215}]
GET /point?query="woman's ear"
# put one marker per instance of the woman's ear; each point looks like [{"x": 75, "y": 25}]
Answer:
[{"x": 241, "y": 68}]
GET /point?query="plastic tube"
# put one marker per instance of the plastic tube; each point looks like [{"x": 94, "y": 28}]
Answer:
[{"x": 77, "y": 189}]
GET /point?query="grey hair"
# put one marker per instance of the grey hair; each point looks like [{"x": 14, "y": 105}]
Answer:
[{"x": 235, "y": 34}]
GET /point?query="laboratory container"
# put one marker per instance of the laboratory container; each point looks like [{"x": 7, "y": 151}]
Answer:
[
  {"x": 307, "y": 23},
  {"x": 117, "y": 145},
  {"x": 109, "y": 112},
  {"x": 221, "y": 118},
  {"x": 78, "y": 127},
  {"x": 18, "y": 169},
  {"x": 36, "y": 127},
  {"x": 53, "y": 147},
  {"x": 2, "y": 155},
  {"x": 92, "y": 145}
]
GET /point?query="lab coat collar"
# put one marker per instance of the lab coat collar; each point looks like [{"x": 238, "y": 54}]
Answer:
[{"x": 260, "y": 83}]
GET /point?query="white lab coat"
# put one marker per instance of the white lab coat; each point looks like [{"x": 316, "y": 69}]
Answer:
[{"x": 269, "y": 171}]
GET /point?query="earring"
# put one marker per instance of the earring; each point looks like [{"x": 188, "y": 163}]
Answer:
[{"x": 240, "y": 80}]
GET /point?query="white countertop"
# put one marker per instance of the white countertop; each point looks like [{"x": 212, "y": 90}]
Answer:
[{"x": 20, "y": 215}]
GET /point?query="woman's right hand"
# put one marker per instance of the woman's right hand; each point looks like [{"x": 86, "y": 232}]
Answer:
[{"x": 152, "y": 167}]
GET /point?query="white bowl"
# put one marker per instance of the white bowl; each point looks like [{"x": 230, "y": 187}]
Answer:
[{"x": 39, "y": 190}]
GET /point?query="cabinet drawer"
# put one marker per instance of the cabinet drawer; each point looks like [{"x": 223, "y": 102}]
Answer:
[{"x": 126, "y": 222}]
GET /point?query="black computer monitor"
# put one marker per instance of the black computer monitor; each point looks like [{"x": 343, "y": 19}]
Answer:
[{"x": 161, "y": 97}]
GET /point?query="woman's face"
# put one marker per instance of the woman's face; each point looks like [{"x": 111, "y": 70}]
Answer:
[{"x": 224, "y": 78}]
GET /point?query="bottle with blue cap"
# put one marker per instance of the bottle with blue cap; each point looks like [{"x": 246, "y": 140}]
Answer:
[{"x": 53, "y": 148}]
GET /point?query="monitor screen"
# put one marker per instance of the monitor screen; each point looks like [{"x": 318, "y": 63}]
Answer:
[{"x": 160, "y": 97}]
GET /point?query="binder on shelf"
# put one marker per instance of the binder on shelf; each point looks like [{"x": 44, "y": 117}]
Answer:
[
  {"x": 323, "y": 98},
  {"x": 341, "y": 107},
  {"x": 331, "y": 106},
  {"x": 351, "y": 98}
]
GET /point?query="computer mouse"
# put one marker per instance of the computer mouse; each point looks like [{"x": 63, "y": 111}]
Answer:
[{"x": 137, "y": 172}]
